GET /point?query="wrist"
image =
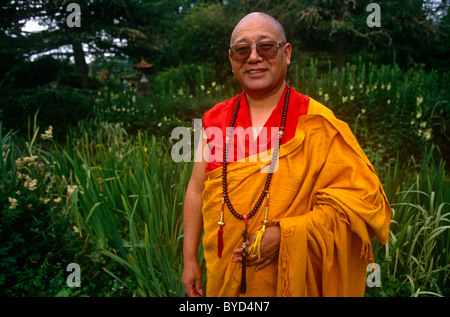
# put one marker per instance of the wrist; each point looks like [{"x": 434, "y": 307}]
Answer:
[{"x": 190, "y": 261}]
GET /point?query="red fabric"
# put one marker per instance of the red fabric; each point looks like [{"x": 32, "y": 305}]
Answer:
[{"x": 220, "y": 116}]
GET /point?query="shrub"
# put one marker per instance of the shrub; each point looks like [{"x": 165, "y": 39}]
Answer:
[{"x": 47, "y": 86}]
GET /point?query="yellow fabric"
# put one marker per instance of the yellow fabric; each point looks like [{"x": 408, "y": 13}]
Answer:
[{"x": 329, "y": 204}]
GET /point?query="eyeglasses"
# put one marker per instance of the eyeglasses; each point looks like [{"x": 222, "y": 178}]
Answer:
[{"x": 265, "y": 49}]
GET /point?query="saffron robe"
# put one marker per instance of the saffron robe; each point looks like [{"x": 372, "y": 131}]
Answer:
[{"x": 324, "y": 195}]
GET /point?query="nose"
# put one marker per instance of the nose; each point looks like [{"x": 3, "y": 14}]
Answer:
[{"x": 254, "y": 56}]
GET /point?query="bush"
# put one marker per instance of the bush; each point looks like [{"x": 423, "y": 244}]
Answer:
[
  {"x": 47, "y": 86},
  {"x": 37, "y": 232},
  {"x": 389, "y": 110},
  {"x": 415, "y": 261},
  {"x": 34, "y": 223}
]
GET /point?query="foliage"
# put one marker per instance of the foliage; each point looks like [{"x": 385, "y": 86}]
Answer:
[
  {"x": 47, "y": 86},
  {"x": 129, "y": 203},
  {"x": 123, "y": 217},
  {"x": 415, "y": 261},
  {"x": 176, "y": 99},
  {"x": 389, "y": 110},
  {"x": 31, "y": 228},
  {"x": 107, "y": 194},
  {"x": 138, "y": 25},
  {"x": 207, "y": 41},
  {"x": 37, "y": 232}
]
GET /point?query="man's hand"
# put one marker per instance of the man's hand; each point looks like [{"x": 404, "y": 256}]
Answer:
[
  {"x": 192, "y": 279},
  {"x": 270, "y": 245}
]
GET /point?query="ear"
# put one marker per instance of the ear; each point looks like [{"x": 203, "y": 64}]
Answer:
[
  {"x": 231, "y": 62},
  {"x": 288, "y": 52}
]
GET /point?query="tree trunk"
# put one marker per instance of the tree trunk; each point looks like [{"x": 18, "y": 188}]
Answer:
[
  {"x": 341, "y": 50},
  {"x": 80, "y": 63}
]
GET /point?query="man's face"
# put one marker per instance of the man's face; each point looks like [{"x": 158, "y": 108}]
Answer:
[{"x": 259, "y": 76}]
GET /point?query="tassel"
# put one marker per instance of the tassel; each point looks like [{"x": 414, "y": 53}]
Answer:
[
  {"x": 255, "y": 248},
  {"x": 220, "y": 242},
  {"x": 244, "y": 259},
  {"x": 243, "y": 276}
]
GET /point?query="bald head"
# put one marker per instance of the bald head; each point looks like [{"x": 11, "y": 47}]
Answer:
[{"x": 256, "y": 17}]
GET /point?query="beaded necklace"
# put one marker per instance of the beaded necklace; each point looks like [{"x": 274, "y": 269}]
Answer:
[{"x": 254, "y": 250}]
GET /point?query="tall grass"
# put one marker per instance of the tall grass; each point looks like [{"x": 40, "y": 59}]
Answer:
[
  {"x": 389, "y": 109},
  {"x": 130, "y": 205},
  {"x": 416, "y": 259}
]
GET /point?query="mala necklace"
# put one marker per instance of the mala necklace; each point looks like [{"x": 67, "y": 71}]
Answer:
[{"x": 255, "y": 247}]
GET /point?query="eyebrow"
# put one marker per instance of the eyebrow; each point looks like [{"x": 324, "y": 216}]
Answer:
[{"x": 260, "y": 37}]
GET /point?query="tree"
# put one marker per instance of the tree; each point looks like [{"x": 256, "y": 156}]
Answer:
[
  {"x": 202, "y": 36},
  {"x": 115, "y": 27},
  {"x": 340, "y": 26}
]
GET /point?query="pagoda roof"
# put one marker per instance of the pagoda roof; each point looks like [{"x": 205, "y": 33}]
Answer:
[{"x": 142, "y": 64}]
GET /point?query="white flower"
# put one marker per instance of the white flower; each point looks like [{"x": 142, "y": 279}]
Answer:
[
  {"x": 30, "y": 183},
  {"x": 13, "y": 203},
  {"x": 202, "y": 87},
  {"x": 419, "y": 113},
  {"x": 419, "y": 100},
  {"x": 363, "y": 111},
  {"x": 344, "y": 99},
  {"x": 327, "y": 97},
  {"x": 427, "y": 134},
  {"x": 48, "y": 133},
  {"x": 70, "y": 189},
  {"x": 21, "y": 162}
]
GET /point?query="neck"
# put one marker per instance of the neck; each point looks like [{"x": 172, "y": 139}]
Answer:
[
  {"x": 261, "y": 107},
  {"x": 265, "y": 102}
]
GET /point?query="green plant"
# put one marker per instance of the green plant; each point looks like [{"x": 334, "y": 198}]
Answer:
[
  {"x": 415, "y": 261},
  {"x": 33, "y": 223},
  {"x": 389, "y": 110},
  {"x": 130, "y": 208}
]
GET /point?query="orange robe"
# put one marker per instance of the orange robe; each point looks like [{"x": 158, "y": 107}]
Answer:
[{"x": 327, "y": 200}]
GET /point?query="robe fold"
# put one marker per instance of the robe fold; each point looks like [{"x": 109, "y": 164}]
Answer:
[{"x": 325, "y": 196}]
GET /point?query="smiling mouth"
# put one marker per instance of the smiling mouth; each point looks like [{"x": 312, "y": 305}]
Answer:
[{"x": 256, "y": 71}]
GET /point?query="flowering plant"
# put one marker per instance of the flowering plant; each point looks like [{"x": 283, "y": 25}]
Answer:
[{"x": 34, "y": 220}]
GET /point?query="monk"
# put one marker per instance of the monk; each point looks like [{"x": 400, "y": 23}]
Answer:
[{"x": 286, "y": 199}]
